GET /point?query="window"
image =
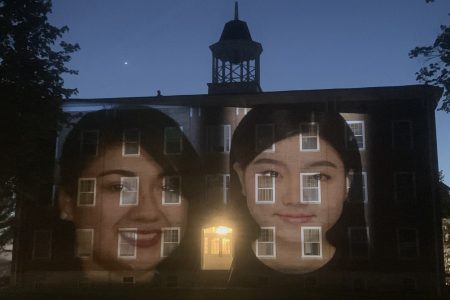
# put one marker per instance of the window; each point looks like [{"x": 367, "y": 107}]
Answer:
[
  {"x": 42, "y": 244},
  {"x": 129, "y": 193},
  {"x": 173, "y": 140},
  {"x": 357, "y": 133},
  {"x": 171, "y": 190},
  {"x": 242, "y": 111},
  {"x": 311, "y": 242},
  {"x": 127, "y": 242},
  {"x": 405, "y": 190},
  {"x": 130, "y": 143},
  {"x": 217, "y": 187},
  {"x": 265, "y": 188},
  {"x": 309, "y": 137},
  {"x": 218, "y": 138},
  {"x": 310, "y": 187},
  {"x": 402, "y": 135},
  {"x": 89, "y": 142},
  {"x": 86, "y": 192},
  {"x": 170, "y": 240},
  {"x": 359, "y": 242},
  {"x": 264, "y": 137},
  {"x": 408, "y": 244},
  {"x": 359, "y": 182},
  {"x": 85, "y": 243},
  {"x": 217, "y": 248},
  {"x": 265, "y": 244}
]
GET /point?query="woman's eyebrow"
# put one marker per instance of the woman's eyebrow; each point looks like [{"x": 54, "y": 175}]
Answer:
[
  {"x": 269, "y": 161},
  {"x": 117, "y": 172},
  {"x": 321, "y": 163}
]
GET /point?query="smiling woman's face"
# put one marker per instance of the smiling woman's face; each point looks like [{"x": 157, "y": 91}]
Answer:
[
  {"x": 303, "y": 189},
  {"x": 145, "y": 217}
]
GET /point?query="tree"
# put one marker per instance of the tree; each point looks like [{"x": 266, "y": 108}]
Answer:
[
  {"x": 31, "y": 92},
  {"x": 438, "y": 70}
]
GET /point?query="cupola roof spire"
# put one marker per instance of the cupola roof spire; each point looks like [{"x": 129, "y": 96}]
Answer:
[{"x": 236, "y": 10}]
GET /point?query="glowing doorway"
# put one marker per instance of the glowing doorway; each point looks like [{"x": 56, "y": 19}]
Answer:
[{"x": 217, "y": 248}]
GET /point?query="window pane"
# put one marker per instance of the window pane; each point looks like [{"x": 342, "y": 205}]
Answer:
[
  {"x": 127, "y": 243},
  {"x": 309, "y": 136},
  {"x": 84, "y": 242},
  {"x": 129, "y": 192},
  {"x": 172, "y": 189},
  {"x": 131, "y": 142},
  {"x": 172, "y": 140}
]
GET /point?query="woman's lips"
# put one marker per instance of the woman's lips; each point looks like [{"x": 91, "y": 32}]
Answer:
[
  {"x": 144, "y": 238},
  {"x": 295, "y": 218}
]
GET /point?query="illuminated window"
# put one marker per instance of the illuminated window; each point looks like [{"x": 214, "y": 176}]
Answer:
[
  {"x": 129, "y": 193},
  {"x": 359, "y": 242},
  {"x": 217, "y": 187},
  {"x": 405, "y": 188},
  {"x": 217, "y": 248},
  {"x": 311, "y": 242},
  {"x": 310, "y": 187},
  {"x": 171, "y": 190},
  {"x": 131, "y": 141},
  {"x": 42, "y": 244},
  {"x": 127, "y": 243},
  {"x": 359, "y": 182},
  {"x": 408, "y": 243},
  {"x": 265, "y": 244},
  {"x": 264, "y": 137},
  {"x": 357, "y": 128},
  {"x": 309, "y": 137},
  {"x": 89, "y": 142},
  {"x": 86, "y": 192},
  {"x": 402, "y": 137},
  {"x": 170, "y": 240},
  {"x": 265, "y": 188},
  {"x": 218, "y": 138},
  {"x": 173, "y": 140},
  {"x": 85, "y": 240}
]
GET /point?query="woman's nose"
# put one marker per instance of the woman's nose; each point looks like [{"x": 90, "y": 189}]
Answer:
[
  {"x": 148, "y": 208},
  {"x": 288, "y": 191}
]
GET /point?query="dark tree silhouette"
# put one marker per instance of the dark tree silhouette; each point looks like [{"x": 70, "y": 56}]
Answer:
[
  {"x": 32, "y": 61},
  {"x": 437, "y": 72}
]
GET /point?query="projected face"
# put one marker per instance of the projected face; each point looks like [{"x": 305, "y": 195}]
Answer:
[
  {"x": 295, "y": 197},
  {"x": 136, "y": 204}
]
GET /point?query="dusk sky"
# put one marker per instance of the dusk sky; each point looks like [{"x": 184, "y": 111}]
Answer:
[{"x": 134, "y": 48}]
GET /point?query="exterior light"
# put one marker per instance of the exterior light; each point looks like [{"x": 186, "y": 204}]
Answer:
[{"x": 222, "y": 230}]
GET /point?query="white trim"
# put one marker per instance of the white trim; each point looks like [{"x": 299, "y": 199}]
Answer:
[
  {"x": 416, "y": 234},
  {"x": 96, "y": 131},
  {"x": 77, "y": 252},
  {"x": 94, "y": 192},
  {"x": 273, "y": 243},
  {"x": 256, "y": 189},
  {"x": 364, "y": 182},
  {"x": 50, "y": 242},
  {"x": 351, "y": 242},
  {"x": 163, "y": 201},
  {"x": 124, "y": 142},
  {"x": 164, "y": 229},
  {"x": 119, "y": 238},
  {"x": 318, "y": 188},
  {"x": 270, "y": 149},
  {"x": 363, "y": 134},
  {"x": 180, "y": 140},
  {"x": 122, "y": 179},
  {"x": 411, "y": 141},
  {"x": 316, "y": 136},
  {"x": 303, "y": 241}
]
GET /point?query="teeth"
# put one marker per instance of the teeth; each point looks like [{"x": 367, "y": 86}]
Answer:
[{"x": 147, "y": 235}]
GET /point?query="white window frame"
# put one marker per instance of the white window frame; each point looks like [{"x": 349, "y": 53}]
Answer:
[
  {"x": 364, "y": 182},
  {"x": 318, "y": 188},
  {"x": 180, "y": 140},
  {"x": 119, "y": 238},
  {"x": 94, "y": 192},
  {"x": 96, "y": 140},
  {"x": 273, "y": 243},
  {"x": 163, "y": 229},
  {"x": 303, "y": 241},
  {"x": 124, "y": 142},
  {"x": 410, "y": 126},
  {"x": 122, "y": 179},
  {"x": 50, "y": 242},
  {"x": 414, "y": 196},
  {"x": 226, "y": 130},
  {"x": 309, "y": 136},
  {"x": 246, "y": 109},
  {"x": 225, "y": 190},
  {"x": 163, "y": 196},
  {"x": 363, "y": 134},
  {"x": 352, "y": 242},
  {"x": 416, "y": 232},
  {"x": 257, "y": 128},
  {"x": 77, "y": 252},
  {"x": 257, "y": 175}
]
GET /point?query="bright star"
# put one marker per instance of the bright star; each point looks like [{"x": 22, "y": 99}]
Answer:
[{"x": 125, "y": 63}]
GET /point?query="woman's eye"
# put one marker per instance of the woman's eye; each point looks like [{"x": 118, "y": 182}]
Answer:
[
  {"x": 270, "y": 173},
  {"x": 118, "y": 187},
  {"x": 168, "y": 188},
  {"x": 322, "y": 177}
]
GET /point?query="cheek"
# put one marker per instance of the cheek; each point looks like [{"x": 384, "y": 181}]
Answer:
[
  {"x": 176, "y": 215},
  {"x": 336, "y": 197}
]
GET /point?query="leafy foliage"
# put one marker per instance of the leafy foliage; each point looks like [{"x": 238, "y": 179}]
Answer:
[
  {"x": 31, "y": 92},
  {"x": 438, "y": 70}
]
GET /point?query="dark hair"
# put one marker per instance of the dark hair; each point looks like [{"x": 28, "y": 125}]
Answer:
[{"x": 286, "y": 122}]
